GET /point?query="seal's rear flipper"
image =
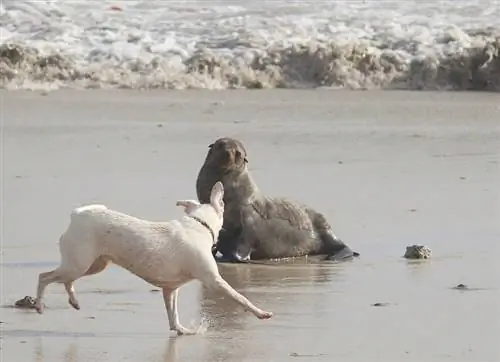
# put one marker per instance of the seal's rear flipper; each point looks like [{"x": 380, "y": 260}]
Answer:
[{"x": 343, "y": 254}]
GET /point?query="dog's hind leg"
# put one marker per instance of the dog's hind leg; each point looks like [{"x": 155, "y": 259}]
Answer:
[
  {"x": 67, "y": 273},
  {"x": 70, "y": 289},
  {"x": 97, "y": 266},
  {"x": 44, "y": 279}
]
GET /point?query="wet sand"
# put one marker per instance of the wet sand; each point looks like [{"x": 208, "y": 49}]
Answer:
[{"x": 389, "y": 169}]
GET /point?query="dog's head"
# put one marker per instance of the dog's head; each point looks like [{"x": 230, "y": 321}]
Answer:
[
  {"x": 211, "y": 213},
  {"x": 228, "y": 154}
]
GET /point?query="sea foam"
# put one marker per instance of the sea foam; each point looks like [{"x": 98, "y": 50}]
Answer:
[{"x": 210, "y": 44}]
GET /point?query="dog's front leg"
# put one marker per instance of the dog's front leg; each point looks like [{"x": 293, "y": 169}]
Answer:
[
  {"x": 170, "y": 299},
  {"x": 216, "y": 282}
]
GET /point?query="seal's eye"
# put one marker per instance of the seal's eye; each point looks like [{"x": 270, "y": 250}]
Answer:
[{"x": 211, "y": 145}]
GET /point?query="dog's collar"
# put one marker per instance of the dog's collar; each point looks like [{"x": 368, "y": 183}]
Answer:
[{"x": 205, "y": 225}]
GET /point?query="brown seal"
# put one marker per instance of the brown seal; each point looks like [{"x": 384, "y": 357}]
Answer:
[{"x": 260, "y": 227}]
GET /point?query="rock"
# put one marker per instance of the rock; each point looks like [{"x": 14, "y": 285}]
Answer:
[
  {"x": 26, "y": 303},
  {"x": 417, "y": 252},
  {"x": 295, "y": 354},
  {"x": 466, "y": 288}
]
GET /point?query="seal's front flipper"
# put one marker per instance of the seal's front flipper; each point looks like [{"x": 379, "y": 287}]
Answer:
[
  {"x": 214, "y": 251},
  {"x": 232, "y": 258}
]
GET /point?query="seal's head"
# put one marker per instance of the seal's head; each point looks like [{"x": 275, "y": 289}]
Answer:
[
  {"x": 227, "y": 154},
  {"x": 227, "y": 162}
]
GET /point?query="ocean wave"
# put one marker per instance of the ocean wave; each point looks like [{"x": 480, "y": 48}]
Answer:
[{"x": 241, "y": 52}]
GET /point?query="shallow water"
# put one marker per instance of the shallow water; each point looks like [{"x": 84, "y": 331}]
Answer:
[
  {"x": 405, "y": 168},
  {"x": 211, "y": 44}
]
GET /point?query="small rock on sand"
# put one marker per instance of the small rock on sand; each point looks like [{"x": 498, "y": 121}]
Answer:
[
  {"x": 26, "y": 303},
  {"x": 417, "y": 252},
  {"x": 466, "y": 288}
]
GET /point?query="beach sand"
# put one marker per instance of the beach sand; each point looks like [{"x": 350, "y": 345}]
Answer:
[{"x": 388, "y": 169}]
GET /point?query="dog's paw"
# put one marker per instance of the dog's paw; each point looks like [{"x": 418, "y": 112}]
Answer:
[
  {"x": 182, "y": 331},
  {"x": 265, "y": 315},
  {"x": 74, "y": 304},
  {"x": 39, "y": 307}
]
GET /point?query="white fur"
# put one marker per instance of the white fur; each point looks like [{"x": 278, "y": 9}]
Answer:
[{"x": 165, "y": 254}]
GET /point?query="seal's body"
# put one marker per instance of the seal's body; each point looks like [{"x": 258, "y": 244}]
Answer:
[{"x": 259, "y": 227}]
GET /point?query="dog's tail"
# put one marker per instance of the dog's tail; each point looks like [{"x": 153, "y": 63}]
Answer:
[
  {"x": 88, "y": 208},
  {"x": 91, "y": 207}
]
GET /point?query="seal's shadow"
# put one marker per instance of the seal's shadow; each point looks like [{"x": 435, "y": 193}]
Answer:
[{"x": 261, "y": 283}]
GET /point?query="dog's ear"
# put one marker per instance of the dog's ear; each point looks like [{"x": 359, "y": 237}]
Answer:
[
  {"x": 189, "y": 205},
  {"x": 217, "y": 196}
]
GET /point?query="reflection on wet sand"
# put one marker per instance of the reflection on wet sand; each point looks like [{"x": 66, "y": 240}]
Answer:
[
  {"x": 171, "y": 350},
  {"x": 264, "y": 284},
  {"x": 70, "y": 354},
  {"x": 38, "y": 351}
]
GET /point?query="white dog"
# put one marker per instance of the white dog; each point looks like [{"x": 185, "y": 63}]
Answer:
[{"x": 165, "y": 254}]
